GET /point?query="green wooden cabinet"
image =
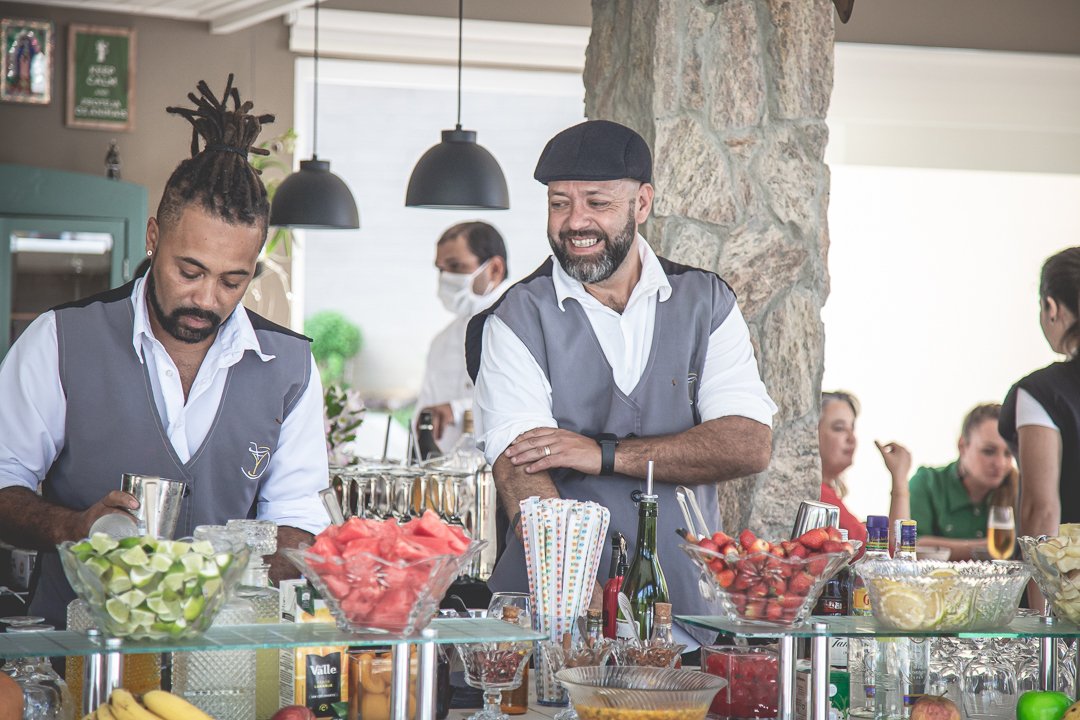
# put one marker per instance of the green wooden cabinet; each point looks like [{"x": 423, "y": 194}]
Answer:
[{"x": 63, "y": 236}]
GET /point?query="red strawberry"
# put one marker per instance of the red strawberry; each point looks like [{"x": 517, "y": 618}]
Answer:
[
  {"x": 729, "y": 549},
  {"x": 816, "y": 565},
  {"x": 739, "y": 601},
  {"x": 743, "y": 581},
  {"x": 778, "y": 551},
  {"x": 774, "y": 611},
  {"x": 747, "y": 539},
  {"x": 834, "y": 534},
  {"x": 798, "y": 550},
  {"x": 791, "y": 600},
  {"x": 755, "y": 610},
  {"x": 707, "y": 544},
  {"x": 761, "y": 590},
  {"x": 787, "y": 545},
  {"x": 777, "y": 586},
  {"x": 721, "y": 539},
  {"x": 725, "y": 578},
  {"x": 832, "y": 546},
  {"x": 717, "y": 565},
  {"x": 800, "y": 584},
  {"x": 815, "y": 538}
]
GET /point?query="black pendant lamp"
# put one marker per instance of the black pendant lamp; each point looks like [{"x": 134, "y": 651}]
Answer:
[
  {"x": 314, "y": 197},
  {"x": 458, "y": 174}
]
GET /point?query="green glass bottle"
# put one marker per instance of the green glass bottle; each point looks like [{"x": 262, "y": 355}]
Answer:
[{"x": 644, "y": 584}]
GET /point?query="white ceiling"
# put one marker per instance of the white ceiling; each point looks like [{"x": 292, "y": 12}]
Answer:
[{"x": 223, "y": 16}]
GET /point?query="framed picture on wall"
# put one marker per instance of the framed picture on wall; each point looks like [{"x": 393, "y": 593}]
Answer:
[
  {"x": 27, "y": 61},
  {"x": 101, "y": 77}
]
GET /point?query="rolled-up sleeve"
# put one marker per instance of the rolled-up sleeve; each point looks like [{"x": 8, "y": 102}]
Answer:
[
  {"x": 33, "y": 409},
  {"x": 730, "y": 381},
  {"x": 512, "y": 394},
  {"x": 298, "y": 470}
]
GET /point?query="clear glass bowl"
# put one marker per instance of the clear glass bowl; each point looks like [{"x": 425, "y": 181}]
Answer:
[
  {"x": 367, "y": 593},
  {"x": 156, "y": 599},
  {"x": 926, "y": 595},
  {"x": 1056, "y": 571},
  {"x": 639, "y": 693},
  {"x": 752, "y": 674},
  {"x": 763, "y": 589}
]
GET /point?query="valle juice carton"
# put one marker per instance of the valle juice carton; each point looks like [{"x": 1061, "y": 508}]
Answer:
[{"x": 315, "y": 677}]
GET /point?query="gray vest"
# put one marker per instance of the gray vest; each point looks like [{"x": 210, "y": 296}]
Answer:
[
  {"x": 586, "y": 400},
  {"x": 113, "y": 426}
]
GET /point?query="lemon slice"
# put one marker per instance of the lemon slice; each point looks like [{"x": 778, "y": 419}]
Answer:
[{"x": 907, "y": 609}]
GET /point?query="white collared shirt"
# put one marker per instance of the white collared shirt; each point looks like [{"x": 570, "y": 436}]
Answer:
[
  {"x": 33, "y": 411},
  {"x": 513, "y": 393},
  {"x": 446, "y": 379}
]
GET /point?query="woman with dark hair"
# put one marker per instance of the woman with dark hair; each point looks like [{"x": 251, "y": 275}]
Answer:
[
  {"x": 837, "y": 444},
  {"x": 952, "y": 503},
  {"x": 1040, "y": 418}
]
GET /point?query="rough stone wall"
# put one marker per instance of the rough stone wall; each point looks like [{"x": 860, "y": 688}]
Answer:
[{"x": 732, "y": 95}]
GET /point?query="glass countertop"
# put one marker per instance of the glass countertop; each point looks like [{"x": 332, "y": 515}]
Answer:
[
  {"x": 851, "y": 626},
  {"x": 251, "y": 637}
]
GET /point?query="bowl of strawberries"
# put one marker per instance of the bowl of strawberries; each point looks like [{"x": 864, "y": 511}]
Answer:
[{"x": 763, "y": 583}]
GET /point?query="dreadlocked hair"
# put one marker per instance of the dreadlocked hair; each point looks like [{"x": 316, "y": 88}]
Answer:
[{"x": 219, "y": 177}]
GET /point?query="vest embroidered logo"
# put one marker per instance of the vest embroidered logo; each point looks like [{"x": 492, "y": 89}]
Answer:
[{"x": 262, "y": 461}]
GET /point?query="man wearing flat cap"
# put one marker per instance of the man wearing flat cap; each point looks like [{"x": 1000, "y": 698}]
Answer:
[{"x": 608, "y": 357}]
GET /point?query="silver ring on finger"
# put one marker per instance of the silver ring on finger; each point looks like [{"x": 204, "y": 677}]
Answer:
[{"x": 547, "y": 451}]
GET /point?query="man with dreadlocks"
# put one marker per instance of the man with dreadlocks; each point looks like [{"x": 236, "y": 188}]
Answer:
[{"x": 168, "y": 375}]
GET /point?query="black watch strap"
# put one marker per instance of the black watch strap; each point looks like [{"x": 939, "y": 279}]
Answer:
[{"x": 608, "y": 442}]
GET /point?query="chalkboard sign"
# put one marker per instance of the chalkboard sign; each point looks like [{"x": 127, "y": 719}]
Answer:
[{"x": 101, "y": 77}]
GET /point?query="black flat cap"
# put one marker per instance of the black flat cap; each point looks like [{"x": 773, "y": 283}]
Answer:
[{"x": 595, "y": 150}]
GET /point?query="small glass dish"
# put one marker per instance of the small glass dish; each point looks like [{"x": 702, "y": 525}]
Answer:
[
  {"x": 761, "y": 588},
  {"x": 1055, "y": 566},
  {"x": 366, "y": 593},
  {"x": 752, "y": 674},
  {"x": 615, "y": 692},
  {"x": 925, "y": 595},
  {"x": 143, "y": 587},
  {"x": 632, "y": 652}
]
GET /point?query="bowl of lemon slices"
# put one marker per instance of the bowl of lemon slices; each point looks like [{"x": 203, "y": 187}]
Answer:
[{"x": 935, "y": 596}]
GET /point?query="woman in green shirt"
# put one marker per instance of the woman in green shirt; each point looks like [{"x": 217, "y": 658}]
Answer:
[{"x": 951, "y": 503}]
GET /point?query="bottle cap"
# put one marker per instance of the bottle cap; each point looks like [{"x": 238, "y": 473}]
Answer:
[
  {"x": 877, "y": 521},
  {"x": 594, "y": 614}
]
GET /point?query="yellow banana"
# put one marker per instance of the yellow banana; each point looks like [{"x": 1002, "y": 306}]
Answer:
[
  {"x": 103, "y": 712},
  {"x": 172, "y": 707},
  {"x": 124, "y": 706}
]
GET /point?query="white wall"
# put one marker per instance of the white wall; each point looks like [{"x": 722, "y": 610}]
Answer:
[
  {"x": 934, "y": 306},
  {"x": 376, "y": 120}
]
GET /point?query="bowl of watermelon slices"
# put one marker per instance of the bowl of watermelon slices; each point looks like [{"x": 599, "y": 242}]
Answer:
[{"x": 385, "y": 576}]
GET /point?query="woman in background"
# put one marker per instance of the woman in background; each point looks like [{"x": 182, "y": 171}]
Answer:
[
  {"x": 837, "y": 444},
  {"x": 1040, "y": 418},
  {"x": 952, "y": 503}
]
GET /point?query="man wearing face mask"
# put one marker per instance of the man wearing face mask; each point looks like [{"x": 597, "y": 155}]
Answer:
[{"x": 471, "y": 258}]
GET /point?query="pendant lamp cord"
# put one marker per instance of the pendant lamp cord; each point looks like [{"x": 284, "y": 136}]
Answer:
[
  {"x": 460, "y": 25},
  {"x": 315, "y": 92}
]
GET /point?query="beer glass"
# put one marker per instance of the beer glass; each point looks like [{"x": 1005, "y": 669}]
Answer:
[{"x": 1001, "y": 532}]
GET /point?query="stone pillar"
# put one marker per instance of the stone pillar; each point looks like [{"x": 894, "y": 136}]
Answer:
[{"x": 732, "y": 95}]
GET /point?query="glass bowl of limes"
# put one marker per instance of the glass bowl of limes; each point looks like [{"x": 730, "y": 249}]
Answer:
[
  {"x": 147, "y": 588},
  {"x": 936, "y": 596}
]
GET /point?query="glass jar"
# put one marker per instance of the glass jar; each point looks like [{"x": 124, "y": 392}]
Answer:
[
  {"x": 752, "y": 674},
  {"x": 370, "y": 682}
]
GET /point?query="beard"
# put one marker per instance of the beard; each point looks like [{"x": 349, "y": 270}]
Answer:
[
  {"x": 591, "y": 270},
  {"x": 170, "y": 322}
]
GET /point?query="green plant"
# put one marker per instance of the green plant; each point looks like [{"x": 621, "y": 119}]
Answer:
[
  {"x": 343, "y": 413},
  {"x": 279, "y": 147},
  {"x": 334, "y": 339}
]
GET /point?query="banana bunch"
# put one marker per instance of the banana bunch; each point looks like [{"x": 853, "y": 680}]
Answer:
[{"x": 155, "y": 705}]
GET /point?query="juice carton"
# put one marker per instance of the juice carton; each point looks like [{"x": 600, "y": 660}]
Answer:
[{"x": 315, "y": 677}]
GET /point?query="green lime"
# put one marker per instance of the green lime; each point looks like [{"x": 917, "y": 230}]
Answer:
[
  {"x": 209, "y": 570},
  {"x": 173, "y": 582},
  {"x": 141, "y": 576},
  {"x": 118, "y": 583},
  {"x": 193, "y": 608},
  {"x": 97, "y": 565},
  {"x": 102, "y": 543},
  {"x": 129, "y": 542},
  {"x": 160, "y": 563},
  {"x": 135, "y": 557},
  {"x": 192, "y": 565},
  {"x": 117, "y": 610},
  {"x": 132, "y": 598},
  {"x": 202, "y": 547},
  {"x": 223, "y": 560},
  {"x": 211, "y": 586}
]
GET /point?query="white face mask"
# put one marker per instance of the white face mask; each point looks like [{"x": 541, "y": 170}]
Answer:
[{"x": 456, "y": 293}]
